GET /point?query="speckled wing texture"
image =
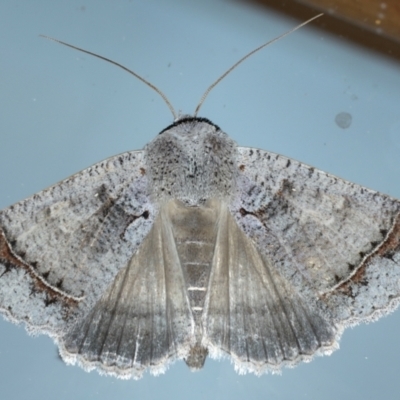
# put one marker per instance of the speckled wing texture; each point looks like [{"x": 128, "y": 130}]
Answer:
[
  {"x": 323, "y": 255},
  {"x": 196, "y": 247},
  {"x": 61, "y": 248}
]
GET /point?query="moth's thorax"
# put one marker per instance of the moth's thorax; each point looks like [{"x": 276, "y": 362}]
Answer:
[{"x": 192, "y": 160}]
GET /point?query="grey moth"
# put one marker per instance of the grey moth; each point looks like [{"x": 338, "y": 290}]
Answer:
[{"x": 195, "y": 247}]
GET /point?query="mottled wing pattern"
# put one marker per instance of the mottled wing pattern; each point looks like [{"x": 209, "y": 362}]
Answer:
[
  {"x": 144, "y": 319},
  {"x": 335, "y": 243},
  {"x": 125, "y": 280},
  {"x": 61, "y": 248}
]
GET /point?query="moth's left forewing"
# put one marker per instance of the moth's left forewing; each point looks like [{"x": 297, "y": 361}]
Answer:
[
  {"x": 61, "y": 248},
  {"x": 335, "y": 242}
]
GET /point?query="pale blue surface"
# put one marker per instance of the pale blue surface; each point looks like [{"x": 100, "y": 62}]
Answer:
[{"x": 62, "y": 111}]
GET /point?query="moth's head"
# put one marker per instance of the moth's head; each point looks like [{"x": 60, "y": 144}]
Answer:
[{"x": 191, "y": 160}]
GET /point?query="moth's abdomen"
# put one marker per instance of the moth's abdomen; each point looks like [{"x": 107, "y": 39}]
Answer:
[
  {"x": 197, "y": 272},
  {"x": 194, "y": 230}
]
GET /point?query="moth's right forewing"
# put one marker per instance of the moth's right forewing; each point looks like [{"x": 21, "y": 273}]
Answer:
[{"x": 336, "y": 242}]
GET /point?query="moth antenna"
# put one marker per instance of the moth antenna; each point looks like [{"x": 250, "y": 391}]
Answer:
[
  {"x": 247, "y": 56},
  {"x": 156, "y": 89}
]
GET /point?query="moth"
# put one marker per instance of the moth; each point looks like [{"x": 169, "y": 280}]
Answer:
[{"x": 196, "y": 247}]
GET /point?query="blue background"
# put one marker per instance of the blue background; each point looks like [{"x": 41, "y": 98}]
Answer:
[{"x": 62, "y": 111}]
